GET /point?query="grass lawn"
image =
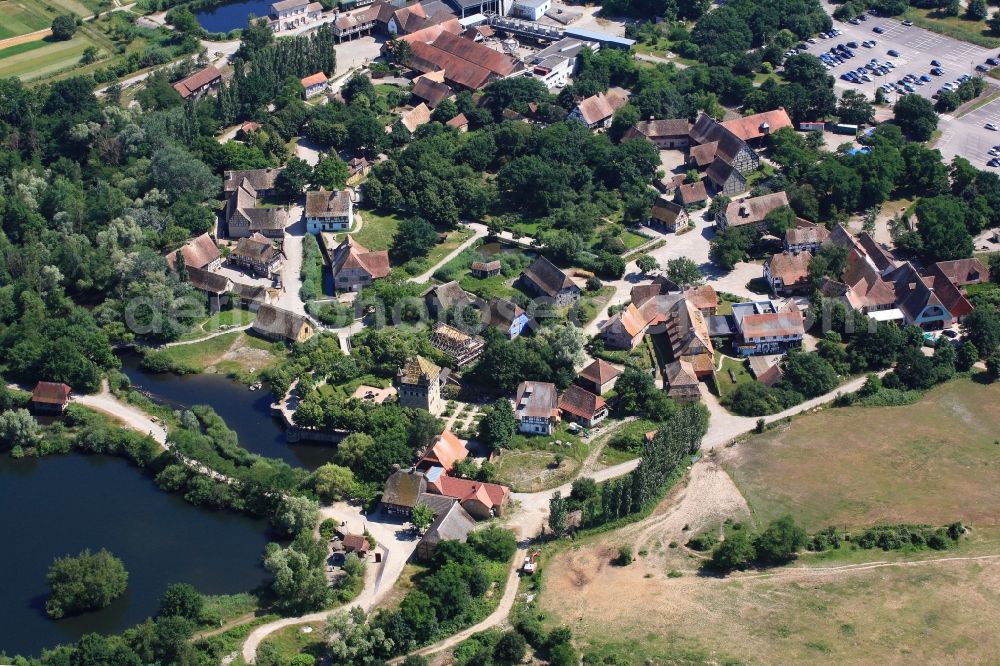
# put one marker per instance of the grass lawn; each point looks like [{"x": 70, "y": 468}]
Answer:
[
  {"x": 47, "y": 59},
  {"x": 228, "y": 318},
  {"x": 488, "y": 288},
  {"x": 236, "y": 354},
  {"x": 612, "y": 456},
  {"x": 295, "y": 640},
  {"x": 530, "y": 464},
  {"x": 377, "y": 230},
  {"x": 726, "y": 304},
  {"x": 724, "y": 381},
  {"x": 22, "y": 48},
  {"x": 441, "y": 250},
  {"x": 976, "y": 32},
  {"x": 592, "y": 303},
  {"x": 19, "y": 17},
  {"x": 632, "y": 240},
  {"x": 931, "y": 462}
]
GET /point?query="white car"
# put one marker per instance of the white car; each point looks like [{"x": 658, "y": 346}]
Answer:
[
  {"x": 811, "y": 40},
  {"x": 991, "y": 126},
  {"x": 993, "y": 151}
]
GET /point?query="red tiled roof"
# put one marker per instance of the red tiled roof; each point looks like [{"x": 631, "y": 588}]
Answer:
[
  {"x": 703, "y": 297},
  {"x": 188, "y": 86},
  {"x": 197, "y": 252},
  {"x": 314, "y": 79},
  {"x": 428, "y": 58},
  {"x": 692, "y": 193},
  {"x": 356, "y": 543},
  {"x": 446, "y": 451},
  {"x": 490, "y": 494},
  {"x": 51, "y": 393},
  {"x": 597, "y": 107},
  {"x": 466, "y": 49},
  {"x": 772, "y": 324},
  {"x": 431, "y": 32},
  {"x": 599, "y": 372},
  {"x": 580, "y": 402},
  {"x": 753, "y": 127},
  {"x": 793, "y": 269},
  {"x": 458, "y": 121}
]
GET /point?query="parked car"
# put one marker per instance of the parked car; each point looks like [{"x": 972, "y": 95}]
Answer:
[
  {"x": 878, "y": 30},
  {"x": 982, "y": 68},
  {"x": 991, "y": 127},
  {"x": 992, "y": 61},
  {"x": 907, "y": 23},
  {"x": 854, "y": 21},
  {"x": 853, "y": 45},
  {"x": 925, "y": 78},
  {"x": 893, "y": 52},
  {"x": 950, "y": 333},
  {"x": 995, "y": 162},
  {"x": 937, "y": 71},
  {"x": 935, "y": 63}
]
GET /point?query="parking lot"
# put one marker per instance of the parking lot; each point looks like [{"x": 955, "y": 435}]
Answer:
[
  {"x": 966, "y": 136},
  {"x": 916, "y": 48}
]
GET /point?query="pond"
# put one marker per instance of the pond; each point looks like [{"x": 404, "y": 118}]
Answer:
[
  {"x": 230, "y": 16},
  {"x": 246, "y": 412},
  {"x": 60, "y": 505}
]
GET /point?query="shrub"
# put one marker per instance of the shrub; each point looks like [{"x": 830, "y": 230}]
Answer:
[{"x": 625, "y": 557}]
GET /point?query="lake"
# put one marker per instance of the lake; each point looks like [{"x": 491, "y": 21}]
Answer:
[
  {"x": 232, "y": 15},
  {"x": 60, "y": 505},
  {"x": 246, "y": 412}
]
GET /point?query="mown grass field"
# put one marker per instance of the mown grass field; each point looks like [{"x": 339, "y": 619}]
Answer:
[
  {"x": 19, "y": 17},
  {"x": 44, "y": 60},
  {"x": 935, "y": 461}
]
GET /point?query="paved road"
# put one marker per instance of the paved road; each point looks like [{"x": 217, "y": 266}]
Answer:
[
  {"x": 396, "y": 542},
  {"x": 291, "y": 271}
]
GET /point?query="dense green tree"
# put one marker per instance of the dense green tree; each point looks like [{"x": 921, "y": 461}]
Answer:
[
  {"x": 415, "y": 238},
  {"x": 942, "y": 228},
  {"x": 89, "y": 581},
  {"x": 809, "y": 374},
  {"x": 333, "y": 482},
  {"x": 976, "y": 10},
  {"x": 736, "y": 552},
  {"x": 855, "y": 109},
  {"x": 18, "y": 428},
  {"x": 982, "y": 330},
  {"x": 684, "y": 271},
  {"x": 182, "y": 600},
  {"x": 916, "y": 117},
  {"x": 498, "y": 426},
  {"x": 293, "y": 178},
  {"x": 63, "y": 27},
  {"x": 298, "y": 580},
  {"x": 780, "y": 541},
  {"x": 330, "y": 172},
  {"x": 647, "y": 264}
]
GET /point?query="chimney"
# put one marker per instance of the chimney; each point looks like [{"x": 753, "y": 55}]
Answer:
[
  {"x": 765, "y": 128},
  {"x": 744, "y": 210}
]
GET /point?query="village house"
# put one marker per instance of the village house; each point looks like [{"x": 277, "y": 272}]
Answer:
[
  {"x": 452, "y": 523},
  {"x": 402, "y": 491},
  {"x": 287, "y": 14},
  {"x": 459, "y": 122},
  {"x": 755, "y": 128},
  {"x": 419, "y": 384},
  {"x": 668, "y": 215},
  {"x": 243, "y": 217},
  {"x": 599, "y": 377},
  {"x": 703, "y": 297},
  {"x": 597, "y": 111},
  {"x": 752, "y": 210},
  {"x": 355, "y": 267},
  {"x": 544, "y": 279},
  {"x": 329, "y": 211},
  {"x": 692, "y": 195},
  {"x": 507, "y": 317},
  {"x": 276, "y": 323},
  {"x": 314, "y": 84},
  {"x": 805, "y": 236},
  {"x": 682, "y": 382},
  {"x": 486, "y": 269},
  {"x": 930, "y": 301},
  {"x": 357, "y": 544},
  {"x": 464, "y": 348},
  {"x": 788, "y": 273},
  {"x": 247, "y": 129},
  {"x": 213, "y": 285},
  {"x": 252, "y": 296},
  {"x": 200, "y": 252},
  {"x": 414, "y": 118},
  {"x": 581, "y": 406},
  {"x": 355, "y": 24},
  {"x": 432, "y": 89},
  {"x": 444, "y": 452},
  {"x": 466, "y": 64},
  {"x": 687, "y": 331},
  {"x": 482, "y": 500},
  {"x": 766, "y": 369},
  {"x": 556, "y": 63},
  {"x": 443, "y": 299},
  {"x": 725, "y": 158},
  {"x": 203, "y": 82},
  {"x": 50, "y": 397},
  {"x": 961, "y": 272},
  {"x": 763, "y": 329},
  {"x": 536, "y": 408},
  {"x": 358, "y": 167},
  {"x": 257, "y": 256},
  {"x": 664, "y": 134}
]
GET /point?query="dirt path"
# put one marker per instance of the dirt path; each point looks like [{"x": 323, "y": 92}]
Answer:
[
  {"x": 24, "y": 39},
  {"x": 478, "y": 231},
  {"x": 208, "y": 633},
  {"x": 208, "y": 336},
  {"x": 133, "y": 417}
]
